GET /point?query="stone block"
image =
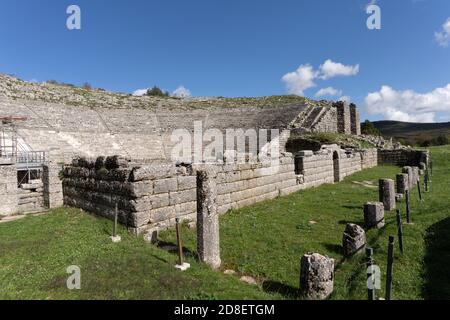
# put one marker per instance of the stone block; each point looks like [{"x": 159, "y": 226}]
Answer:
[
  {"x": 165, "y": 185},
  {"x": 402, "y": 183},
  {"x": 374, "y": 215},
  {"x": 387, "y": 193},
  {"x": 354, "y": 239},
  {"x": 316, "y": 276}
]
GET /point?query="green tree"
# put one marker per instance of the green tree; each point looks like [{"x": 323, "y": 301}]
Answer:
[
  {"x": 368, "y": 128},
  {"x": 157, "y": 92},
  {"x": 442, "y": 140}
]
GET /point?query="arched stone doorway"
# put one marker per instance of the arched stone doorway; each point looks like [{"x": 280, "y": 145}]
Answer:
[{"x": 336, "y": 166}]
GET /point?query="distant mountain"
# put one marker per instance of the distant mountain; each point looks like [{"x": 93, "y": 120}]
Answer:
[{"x": 413, "y": 133}]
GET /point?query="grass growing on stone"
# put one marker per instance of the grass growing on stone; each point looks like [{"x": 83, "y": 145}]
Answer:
[{"x": 265, "y": 241}]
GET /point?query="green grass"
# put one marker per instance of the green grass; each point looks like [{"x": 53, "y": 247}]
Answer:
[{"x": 265, "y": 240}]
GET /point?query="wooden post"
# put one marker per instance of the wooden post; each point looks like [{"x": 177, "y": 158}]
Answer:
[
  {"x": 390, "y": 263},
  {"x": 179, "y": 244},
  {"x": 426, "y": 181},
  {"x": 400, "y": 231},
  {"x": 419, "y": 189},
  {"x": 116, "y": 213},
  {"x": 408, "y": 213},
  {"x": 370, "y": 262}
]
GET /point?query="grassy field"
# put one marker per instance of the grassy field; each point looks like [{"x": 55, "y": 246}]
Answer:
[{"x": 265, "y": 241}]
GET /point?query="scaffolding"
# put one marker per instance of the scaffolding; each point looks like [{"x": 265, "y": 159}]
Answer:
[{"x": 29, "y": 163}]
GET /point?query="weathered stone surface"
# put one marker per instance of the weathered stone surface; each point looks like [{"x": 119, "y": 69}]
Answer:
[
  {"x": 354, "y": 239},
  {"x": 208, "y": 241},
  {"x": 387, "y": 193},
  {"x": 316, "y": 276},
  {"x": 402, "y": 183},
  {"x": 409, "y": 171},
  {"x": 374, "y": 215}
]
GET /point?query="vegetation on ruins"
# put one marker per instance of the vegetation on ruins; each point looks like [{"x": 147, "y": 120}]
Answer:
[
  {"x": 157, "y": 92},
  {"x": 369, "y": 129},
  {"x": 264, "y": 241}
]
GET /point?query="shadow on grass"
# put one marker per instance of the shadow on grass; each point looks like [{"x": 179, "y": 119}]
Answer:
[
  {"x": 172, "y": 248},
  {"x": 286, "y": 291},
  {"x": 437, "y": 261}
]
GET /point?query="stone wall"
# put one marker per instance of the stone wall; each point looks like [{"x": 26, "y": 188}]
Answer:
[
  {"x": 343, "y": 117},
  {"x": 349, "y": 163},
  {"x": 31, "y": 197},
  {"x": 8, "y": 190},
  {"x": 403, "y": 157},
  {"x": 369, "y": 158},
  {"x": 53, "y": 192},
  {"x": 355, "y": 120}
]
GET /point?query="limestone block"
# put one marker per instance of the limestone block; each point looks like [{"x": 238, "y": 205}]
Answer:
[
  {"x": 374, "y": 215},
  {"x": 159, "y": 200},
  {"x": 182, "y": 196},
  {"x": 387, "y": 193},
  {"x": 141, "y": 188},
  {"x": 153, "y": 172},
  {"x": 316, "y": 276},
  {"x": 208, "y": 243},
  {"x": 402, "y": 183},
  {"x": 354, "y": 239},
  {"x": 186, "y": 182},
  {"x": 165, "y": 185}
]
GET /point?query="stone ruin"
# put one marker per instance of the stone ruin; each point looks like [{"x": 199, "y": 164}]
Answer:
[{"x": 102, "y": 149}]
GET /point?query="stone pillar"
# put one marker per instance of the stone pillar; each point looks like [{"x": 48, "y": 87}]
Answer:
[
  {"x": 355, "y": 120},
  {"x": 53, "y": 190},
  {"x": 8, "y": 190},
  {"x": 387, "y": 193},
  {"x": 343, "y": 117},
  {"x": 409, "y": 172},
  {"x": 208, "y": 243},
  {"x": 354, "y": 239},
  {"x": 416, "y": 175},
  {"x": 374, "y": 215},
  {"x": 402, "y": 183},
  {"x": 316, "y": 276}
]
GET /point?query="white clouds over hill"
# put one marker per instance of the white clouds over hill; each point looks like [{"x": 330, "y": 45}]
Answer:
[{"x": 408, "y": 105}]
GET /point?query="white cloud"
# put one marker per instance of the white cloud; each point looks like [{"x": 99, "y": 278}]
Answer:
[
  {"x": 300, "y": 80},
  {"x": 303, "y": 78},
  {"x": 140, "y": 92},
  {"x": 408, "y": 105},
  {"x": 347, "y": 99},
  {"x": 330, "y": 91},
  {"x": 443, "y": 37},
  {"x": 181, "y": 92},
  {"x": 331, "y": 69}
]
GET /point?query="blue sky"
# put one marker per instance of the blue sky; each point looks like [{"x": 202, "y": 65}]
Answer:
[{"x": 241, "y": 48}]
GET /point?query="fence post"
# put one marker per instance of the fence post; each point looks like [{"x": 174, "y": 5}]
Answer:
[
  {"x": 419, "y": 189},
  {"x": 390, "y": 263},
  {"x": 408, "y": 213},
  {"x": 400, "y": 231}
]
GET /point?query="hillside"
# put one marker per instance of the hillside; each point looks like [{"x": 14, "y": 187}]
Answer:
[{"x": 412, "y": 133}]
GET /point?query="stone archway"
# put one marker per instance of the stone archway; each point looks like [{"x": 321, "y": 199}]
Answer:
[{"x": 336, "y": 166}]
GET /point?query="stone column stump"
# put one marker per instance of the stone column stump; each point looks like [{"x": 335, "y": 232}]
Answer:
[
  {"x": 409, "y": 172},
  {"x": 354, "y": 239},
  {"x": 208, "y": 241},
  {"x": 387, "y": 193},
  {"x": 316, "y": 276},
  {"x": 402, "y": 183},
  {"x": 374, "y": 215}
]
